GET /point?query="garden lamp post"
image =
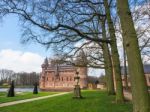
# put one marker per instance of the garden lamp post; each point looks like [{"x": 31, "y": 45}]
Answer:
[{"x": 77, "y": 90}]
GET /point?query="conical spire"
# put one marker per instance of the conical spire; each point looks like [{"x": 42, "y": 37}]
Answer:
[
  {"x": 81, "y": 58},
  {"x": 45, "y": 64}
]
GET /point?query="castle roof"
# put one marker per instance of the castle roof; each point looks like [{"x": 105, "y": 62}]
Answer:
[{"x": 60, "y": 67}]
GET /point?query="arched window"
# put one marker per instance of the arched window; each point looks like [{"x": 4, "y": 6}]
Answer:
[{"x": 62, "y": 78}]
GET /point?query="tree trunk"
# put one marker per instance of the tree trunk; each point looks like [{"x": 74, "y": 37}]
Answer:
[
  {"x": 125, "y": 69},
  {"x": 115, "y": 56},
  {"x": 141, "y": 98},
  {"x": 108, "y": 63}
]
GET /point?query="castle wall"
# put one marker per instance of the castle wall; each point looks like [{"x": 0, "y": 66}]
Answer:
[{"x": 65, "y": 79}]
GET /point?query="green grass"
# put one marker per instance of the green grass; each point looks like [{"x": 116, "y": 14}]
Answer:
[
  {"x": 21, "y": 96},
  {"x": 95, "y": 101},
  {"x": 2, "y": 94}
]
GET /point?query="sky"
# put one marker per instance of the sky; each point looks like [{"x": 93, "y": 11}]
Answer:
[
  {"x": 17, "y": 56},
  {"x": 22, "y": 57}
]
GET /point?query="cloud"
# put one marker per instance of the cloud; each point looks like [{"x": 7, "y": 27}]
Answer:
[
  {"x": 146, "y": 59},
  {"x": 20, "y": 61}
]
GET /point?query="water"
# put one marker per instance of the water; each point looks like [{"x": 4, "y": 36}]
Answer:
[{"x": 17, "y": 89}]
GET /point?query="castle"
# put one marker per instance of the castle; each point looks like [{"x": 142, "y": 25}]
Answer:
[{"x": 60, "y": 76}]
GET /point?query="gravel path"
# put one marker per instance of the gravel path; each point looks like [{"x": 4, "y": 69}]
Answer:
[{"x": 31, "y": 99}]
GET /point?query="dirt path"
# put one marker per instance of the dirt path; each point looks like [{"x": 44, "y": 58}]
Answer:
[{"x": 31, "y": 99}]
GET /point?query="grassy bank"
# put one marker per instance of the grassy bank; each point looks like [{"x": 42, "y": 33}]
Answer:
[
  {"x": 21, "y": 96},
  {"x": 94, "y": 101}
]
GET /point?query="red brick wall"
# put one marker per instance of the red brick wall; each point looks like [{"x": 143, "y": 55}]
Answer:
[{"x": 65, "y": 79}]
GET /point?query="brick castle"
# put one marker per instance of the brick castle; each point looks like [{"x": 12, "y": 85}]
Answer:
[{"x": 60, "y": 76}]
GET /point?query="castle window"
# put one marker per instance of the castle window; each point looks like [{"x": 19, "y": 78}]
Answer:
[
  {"x": 70, "y": 78},
  {"x": 62, "y": 78},
  {"x": 67, "y": 78},
  {"x": 52, "y": 78},
  {"x": 47, "y": 78}
]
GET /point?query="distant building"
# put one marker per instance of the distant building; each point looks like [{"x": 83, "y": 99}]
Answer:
[
  {"x": 60, "y": 76},
  {"x": 146, "y": 71}
]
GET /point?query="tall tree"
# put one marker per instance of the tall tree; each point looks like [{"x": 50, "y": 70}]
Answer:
[
  {"x": 141, "y": 97},
  {"x": 107, "y": 62},
  {"x": 115, "y": 55}
]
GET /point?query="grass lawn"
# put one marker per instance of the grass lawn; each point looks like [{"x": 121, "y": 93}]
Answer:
[
  {"x": 21, "y": 96},
  {"x": 95, "y": 101}
]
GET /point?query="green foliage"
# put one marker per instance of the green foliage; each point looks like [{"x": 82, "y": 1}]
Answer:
[{"x": 94, "y": 101}]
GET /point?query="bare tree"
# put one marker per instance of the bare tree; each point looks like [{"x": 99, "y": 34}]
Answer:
[{"x": 6, "y": 76}]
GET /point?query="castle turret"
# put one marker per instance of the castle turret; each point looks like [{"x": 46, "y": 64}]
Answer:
[
  {"x": 43, "y": 77},
  {"x": 45, "y": 64},
  {"x": 81, "y": 63}
]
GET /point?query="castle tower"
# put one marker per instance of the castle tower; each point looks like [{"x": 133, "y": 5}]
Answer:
[
  {"x": 81, "y": 62},
  {"x": 43, "y": 74}
]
